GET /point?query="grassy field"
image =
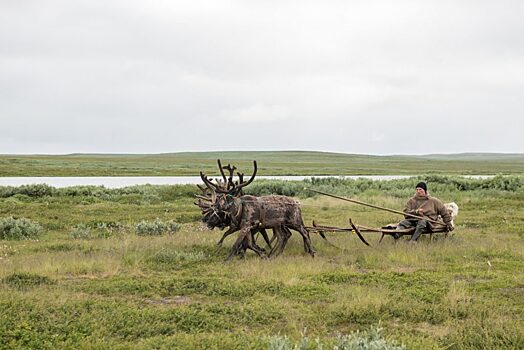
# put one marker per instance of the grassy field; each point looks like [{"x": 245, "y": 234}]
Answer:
[
  {"x": 270, "y": 163},
  {"x": 89, "y": 281}
]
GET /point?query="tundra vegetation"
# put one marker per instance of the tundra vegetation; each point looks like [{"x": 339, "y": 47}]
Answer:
[
  {"x": 91, "y": 267},
  {"x": 271, "y": 163}
]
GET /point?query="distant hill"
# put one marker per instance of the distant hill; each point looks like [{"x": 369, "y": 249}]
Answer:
[
  {"x": 477, "y": 156},
  {"x": 269, "y": 163}
]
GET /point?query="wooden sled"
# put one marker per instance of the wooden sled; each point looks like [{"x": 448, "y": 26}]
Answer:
[
  {"x": 391, "y": 230},
  {"x": 322, "y": 228}
]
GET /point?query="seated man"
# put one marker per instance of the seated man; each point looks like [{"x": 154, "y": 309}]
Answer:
[{"x": 423, "y": 205}]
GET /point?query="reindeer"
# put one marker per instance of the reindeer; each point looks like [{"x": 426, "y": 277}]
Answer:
[
  {"x": 250, "y": 214},
  {"x": 213, "y": 218}
]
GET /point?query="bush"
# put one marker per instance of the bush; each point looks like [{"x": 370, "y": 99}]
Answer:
[
  {"x": 106, "y": 229},
  {"x": 84, "y": 191},
  {"x": 33, "y": 190},
  {"x": 7, "y": 191},
  {"x": 156, "y": 228},
  {"x": 16, "y": 229},
  {"x": 506, "y": 183},
  {"x": 81, "y": 231},
  {"x": 278, "y": 187},
  {"x": 36, "y": 190},
  {"x": 367, "y": 340},
  {"x": 174, "y": 192},
  {"x": 335, "y": 185},
  {"x": 371, "y": 340},
  {"x": 98, "y": 229}
]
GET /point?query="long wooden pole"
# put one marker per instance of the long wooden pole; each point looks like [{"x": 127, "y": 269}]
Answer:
[{"x": 375, "y": 206}]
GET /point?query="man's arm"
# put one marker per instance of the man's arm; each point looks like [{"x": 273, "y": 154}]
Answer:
[{"x": 409, "y": 208}]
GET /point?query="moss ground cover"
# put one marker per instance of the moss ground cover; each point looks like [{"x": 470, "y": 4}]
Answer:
[{"x": 117, "y": 289}]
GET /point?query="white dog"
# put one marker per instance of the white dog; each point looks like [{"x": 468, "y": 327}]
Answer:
[{"x": 453, "y": 211}]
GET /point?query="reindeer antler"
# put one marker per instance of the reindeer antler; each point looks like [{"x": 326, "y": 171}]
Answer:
[
  {"x": 238, "y": 187},
  {"x": 213, "y": 187},
  {"x": 228, "y": 186},
  {"x": 231, "y": 169},
  {"x": 221, "y": 170}
]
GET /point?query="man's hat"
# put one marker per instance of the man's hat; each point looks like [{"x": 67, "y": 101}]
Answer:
[{"x": 423, "y": 186}]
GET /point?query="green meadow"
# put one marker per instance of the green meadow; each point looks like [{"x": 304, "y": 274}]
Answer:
[
  {"x": 88, "y": 267},
  {"x": 133, "y": 268},
  {"x": 270, "y": 163}
]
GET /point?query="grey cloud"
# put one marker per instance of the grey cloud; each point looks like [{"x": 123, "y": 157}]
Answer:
[{"x": 132, "y": 76}]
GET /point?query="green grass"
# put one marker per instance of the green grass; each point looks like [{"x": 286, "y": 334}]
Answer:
[
  {"x": 122, "y": 290},
  {"x": 270, "y": 163}
]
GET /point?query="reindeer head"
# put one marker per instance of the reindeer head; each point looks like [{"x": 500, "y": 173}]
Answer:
[
  {"x": 216, "y": 218},
  {"x": 216, "y": 199}
]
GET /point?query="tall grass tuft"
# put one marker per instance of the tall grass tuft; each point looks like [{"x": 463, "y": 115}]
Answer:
[{"x": 25, "y": 281}]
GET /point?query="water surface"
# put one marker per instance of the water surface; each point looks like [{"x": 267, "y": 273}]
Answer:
[{"x": 124, "y": 181}]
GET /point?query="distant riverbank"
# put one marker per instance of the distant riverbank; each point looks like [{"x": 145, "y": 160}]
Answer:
[{"x": 303, "y": 163}]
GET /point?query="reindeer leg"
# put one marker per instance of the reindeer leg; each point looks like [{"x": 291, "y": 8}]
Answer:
[
  {"x": 310, "y": 247},
  {"x": 237, "y": 246},
  {"x": 307, "y": 240},
  {"x": 255, "y": 237},
  {"x": 229, "y": 231},
  {"x": 285, "y": 234},
  {"x": 279, "y": 235},
  {"x": 252, "y": 245},
  {"x": 266, "y": 238},
  {"x": 305, "y": 237},
  {"x": 307, "y": 245},
  {"x": 275, "y": 236}
]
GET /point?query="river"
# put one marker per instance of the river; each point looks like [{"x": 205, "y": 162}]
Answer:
[{"x": 124, "y": 181}]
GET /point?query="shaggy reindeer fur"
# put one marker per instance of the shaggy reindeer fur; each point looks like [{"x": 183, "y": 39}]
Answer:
[
  {"x": 223, "y": 204},
  {"x": 251, "y": 214}
]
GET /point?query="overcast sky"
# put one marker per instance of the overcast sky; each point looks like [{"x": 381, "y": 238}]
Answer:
[{"x": 370, "y": 77}]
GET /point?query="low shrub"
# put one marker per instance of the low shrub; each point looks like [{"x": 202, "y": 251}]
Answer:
[
  {"x": 335, "y": 185},
  {"x": 16, "y": 229},
  {"x": 7, "y": 191},
  {"x": 97, "y": 229},
  {"x": 84, "y": 191},
  {"x": 371, "y": 339},
  {"x": 81, "y": 231},
  {"x": 156, "y": 228},
  {"x": 174, "y": 192},
  {"x": 107, "y": 229},
  {"x": 33, "y": 190},
  {"x": 36, "y": 190},
  {"x": 368, "y": 340},
  {"x": 26, "y": 280}
]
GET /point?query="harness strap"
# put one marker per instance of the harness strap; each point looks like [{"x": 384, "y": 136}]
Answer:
[
  {"x": 238, "y": 203},
  {"x": 239, "y": 210}
]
